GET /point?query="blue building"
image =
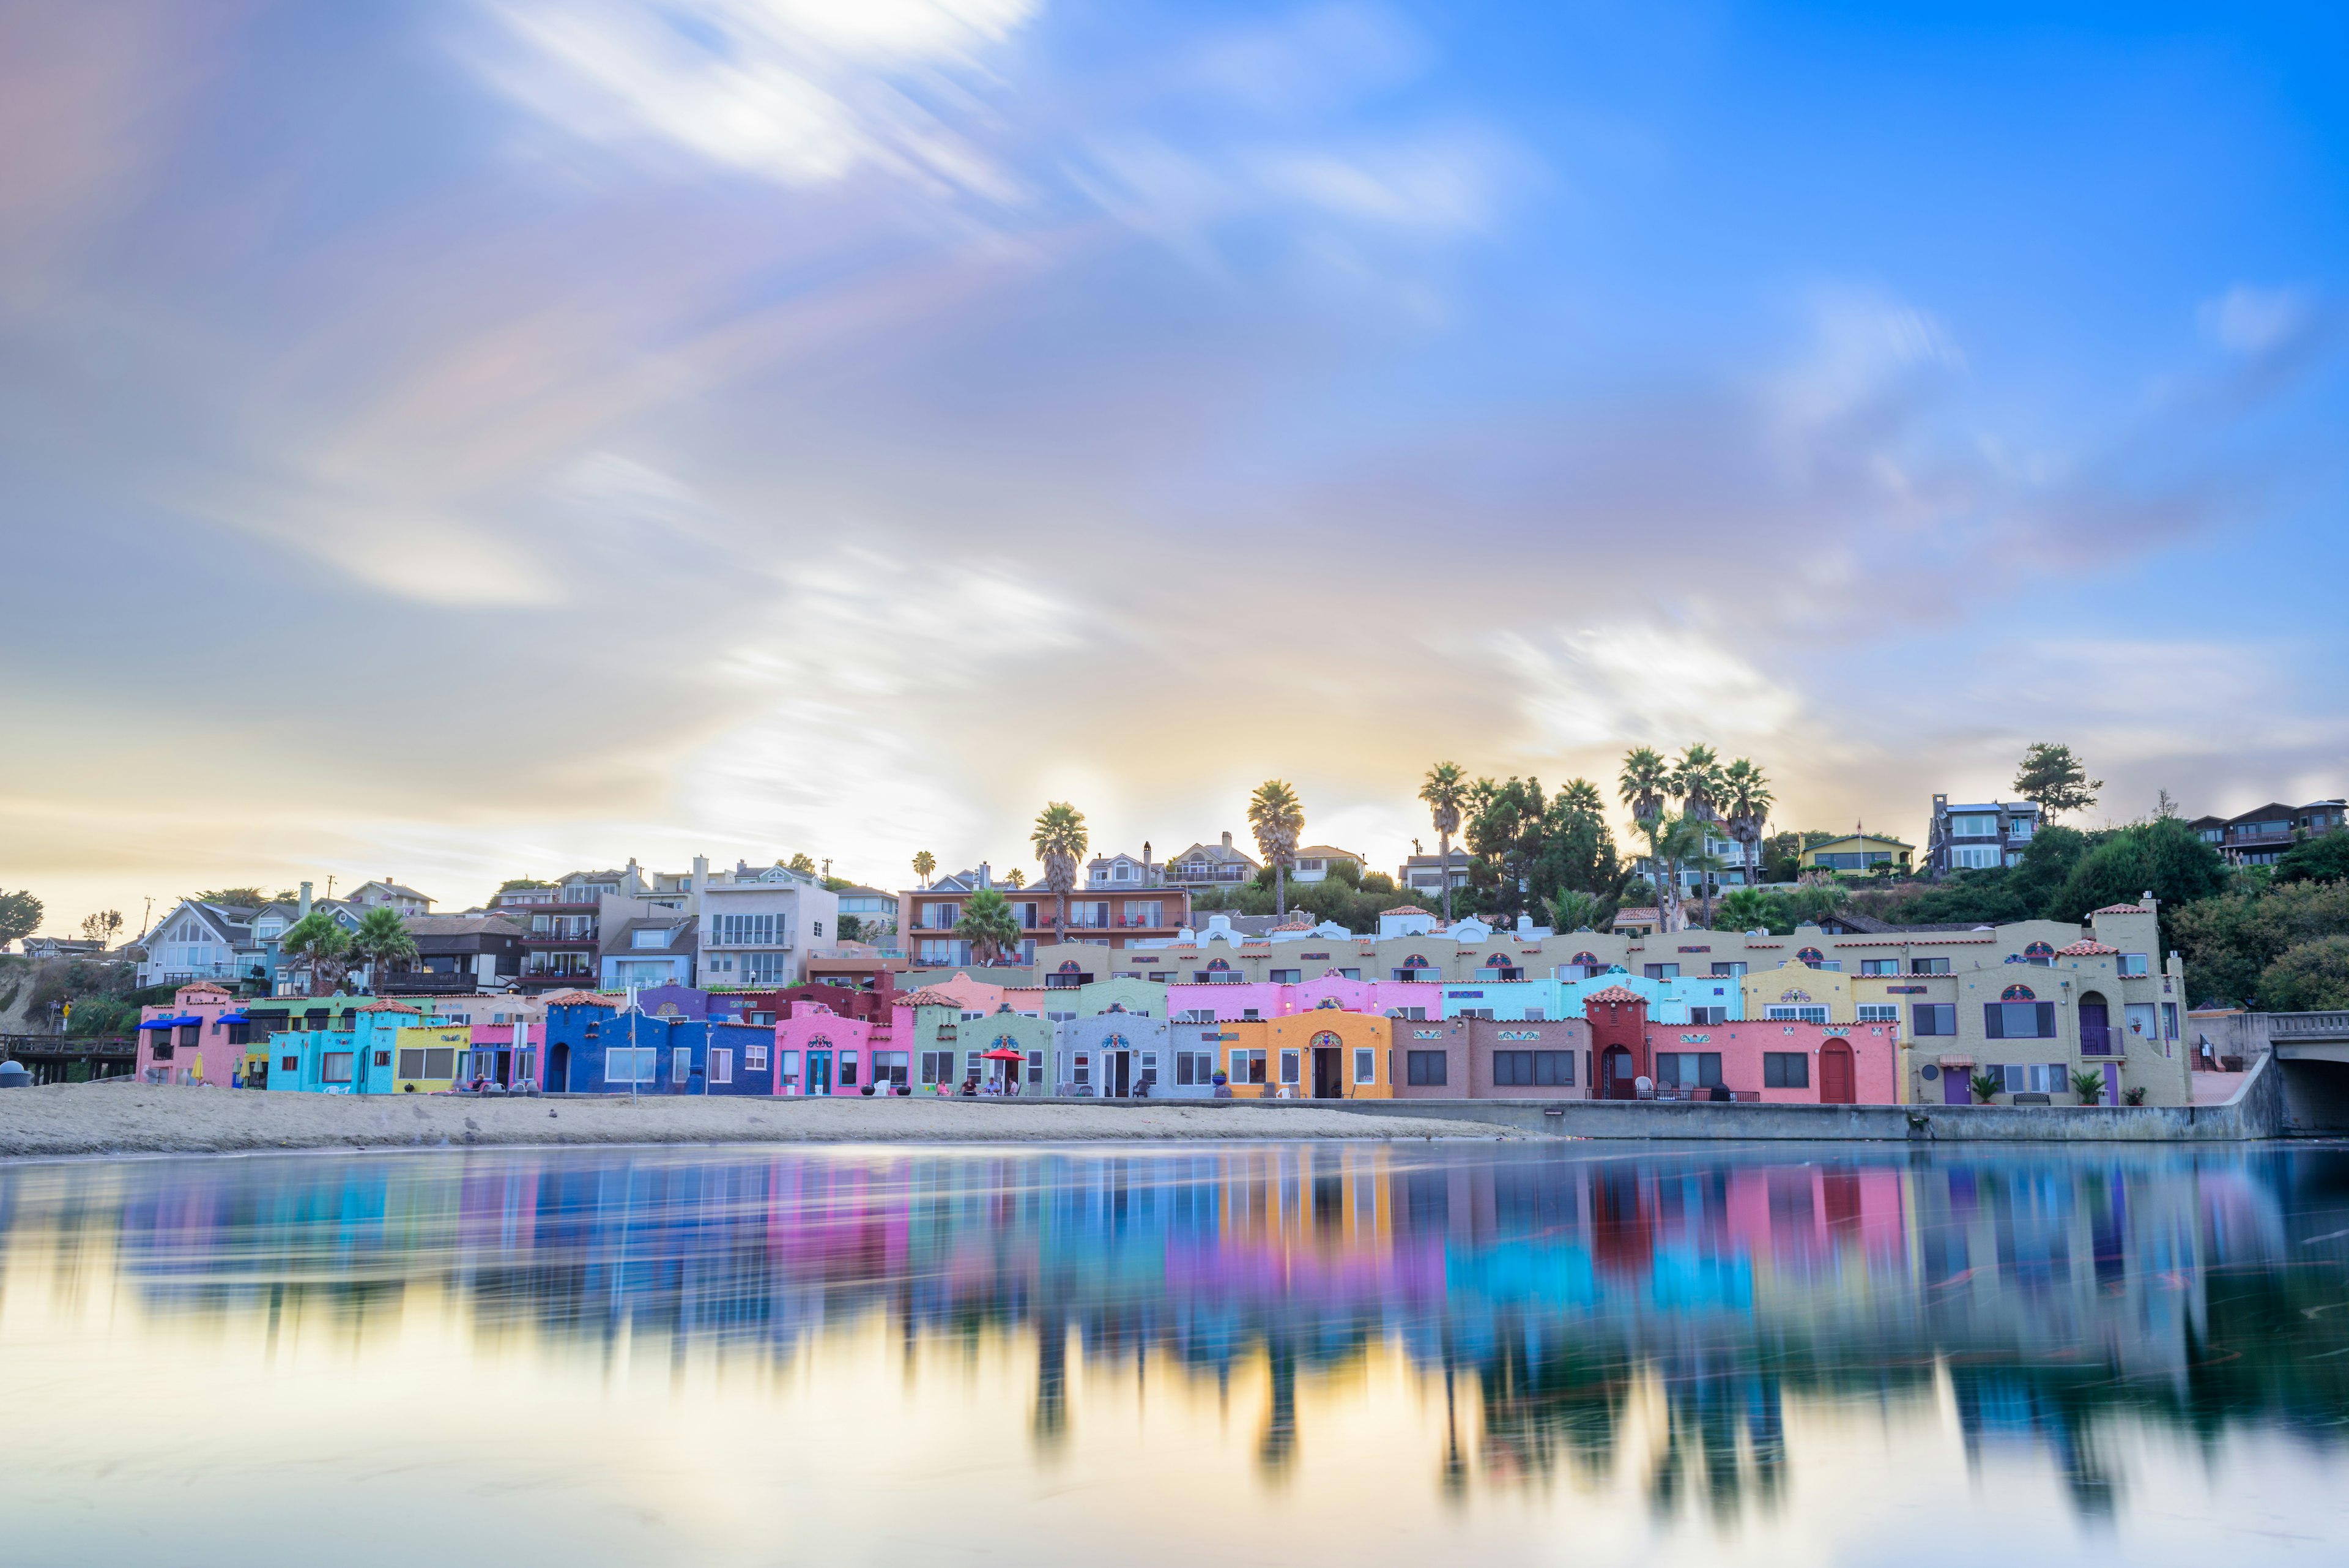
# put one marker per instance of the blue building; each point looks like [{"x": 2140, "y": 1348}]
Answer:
[
  {"x": 1678, "y": 998},
  {"x": 360, "y": 1060},
  {"x": 595, "y": 1047}
]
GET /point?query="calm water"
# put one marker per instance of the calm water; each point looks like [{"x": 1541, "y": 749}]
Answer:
[{"x": 1261, "y": 1354}]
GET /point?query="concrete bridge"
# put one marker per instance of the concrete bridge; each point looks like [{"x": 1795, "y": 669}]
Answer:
[{"x": 2311, "y": 1052}]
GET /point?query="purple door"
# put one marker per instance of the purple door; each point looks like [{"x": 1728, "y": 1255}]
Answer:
[
  {"x": 2095, "y": 1039},
  {"x": 1955, "y": 1090},
  {"x": 2112, "y": 1082}
]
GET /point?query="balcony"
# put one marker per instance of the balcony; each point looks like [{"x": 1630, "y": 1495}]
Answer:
[
  {"x": 425, "y": 982},
  {"x": 569, "y": 933}
]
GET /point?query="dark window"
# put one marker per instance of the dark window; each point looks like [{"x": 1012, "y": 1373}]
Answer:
[
  {"x": 383, "y": 1058},
  {"x": 1786, "y": 1070},
  {"x": 240, "y": 1034},
  {"x": 1929, "y": 966},
  {"x": 1425, "y": 1066},
  {"x": 1733, "y": 967},
  {"x": 1706, "y": 1016},
  {"x": 1545, "y": 1069},
  {"x": 1661, "y": 970},
  {"x": 1933, "y": 1018},
  {"x": 1688, "y": 1069},
  {"x": 2019, "y": 1020},
  {"x": 289, "y": 1063}
]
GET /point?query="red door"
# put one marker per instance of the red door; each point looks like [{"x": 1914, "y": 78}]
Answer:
[{"x": 1835, "y": 1075}]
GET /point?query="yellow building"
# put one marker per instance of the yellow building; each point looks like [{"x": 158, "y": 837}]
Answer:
[
  {"x": 1858, "y": 852},
  {"x": 1325, "y": 1053},
  {"x": 1800, "y": 993},
  {"x": 430, "y": 1057}
]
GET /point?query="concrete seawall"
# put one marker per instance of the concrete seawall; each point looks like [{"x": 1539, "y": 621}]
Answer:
[{"x": 2255, "y": 1112}]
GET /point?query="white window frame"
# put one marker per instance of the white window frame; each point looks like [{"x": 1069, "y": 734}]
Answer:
[
  {"x": 680, "y": 1064},
  {"x": 722, "y": 1064},
  {"x": 1880, "y": 1012},
  {"x": 1366, "y": 1064},
  {"x": 754, "y": 1058},
  {"x": 640, "y": 1069}
]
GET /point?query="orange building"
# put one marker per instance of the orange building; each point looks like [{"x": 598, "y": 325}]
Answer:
[{"x": 1323, "y": 1055}]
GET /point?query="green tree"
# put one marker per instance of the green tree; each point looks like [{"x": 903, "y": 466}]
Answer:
[
  {"x": 988, "y": 925},
  {"x": 2052, "y": 776},
  {"x": 2230, "y": 941},
  {"x": 1015, "y": 878},
  {"x": 1984, "y": 1086},
  {"x": 234, "y": 897},
  {"x": 800, "y": 863},
  {"x": 1644, "y": 781},
  {"x": 1571, "y": 910},
  {"x": 1696, "y": 778},
  {"x": 1755, "y": 910},
  {"x": 850, "y": 927},
  {"x": 1578, "y": 851},
  {"x": 1059, "y": 841},
  {"x": 1817, "y": 899},
  {"x": 1745, "y": 800},
  {"x": 1277, "y": 818},
  {"x": 2089, "y": 1087},
  {"x": 1675, "y": 844},
  {"x": 102, "y": 928},
  {"x": 2311, "y": 978},
  {"x": 2163, "y": 856},
  {"x": 20, "y": 916},
  {"x": 924, "y": 864},
  {"x": 2324, "y": 858},
  {"x": 382, "y": 940},
  {"x": 2054, "y": 853},
  {"x": 320, "y": 940},
  {"x": 1445, "y": 790}
]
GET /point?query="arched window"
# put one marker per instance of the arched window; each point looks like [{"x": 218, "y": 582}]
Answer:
[
  {"x": 1005, "y": 1042},
  {"x": 1069, "y": 966},
  {"x": 818, "y": 1043},
  {"x": 1498, "y": 960},
  {"x": 2016, "y": 993},
  {"x": 1811, "y": 956},
  {"x": 1326, "y": 1041},
  {"x": 1326, "y": 1002},
  {"x": 1587, "y": 961},
  {"x": 1109, "y": 1043},
  {"x": 2039, "y": 950},
  {"x": 1416, "y": 962},
  {"x": 1215, "y": 966}
]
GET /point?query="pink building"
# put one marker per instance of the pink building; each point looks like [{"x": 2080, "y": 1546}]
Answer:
[
  {"x": 819, "y": 1052},
  {"x": 1266, "y": 999},
  {"x": 1779, "y": 1062},
  {"x": 199, "y": 1038}
]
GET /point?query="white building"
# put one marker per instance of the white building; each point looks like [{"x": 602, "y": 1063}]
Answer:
[{"x": 757, "y": 923}]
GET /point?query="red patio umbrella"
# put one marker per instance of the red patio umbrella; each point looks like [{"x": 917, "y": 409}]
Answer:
[{"x": 1000, "y": 1053}]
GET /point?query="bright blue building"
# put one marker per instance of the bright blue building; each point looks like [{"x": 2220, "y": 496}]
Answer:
[
  {"x": 593, "y": 1047},
  {"x": 1681, "y": 999}
]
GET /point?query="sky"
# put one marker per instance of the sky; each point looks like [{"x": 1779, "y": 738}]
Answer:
[{"x": 487, "y": 437}]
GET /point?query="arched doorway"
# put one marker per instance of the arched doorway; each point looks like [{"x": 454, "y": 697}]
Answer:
[
  {"x": 1837, "y": 1086},
  {"x": 1616, "y": 1079},
  {"x": 558, "y": 1068},
  {"x": 2096, "y": 1024}
]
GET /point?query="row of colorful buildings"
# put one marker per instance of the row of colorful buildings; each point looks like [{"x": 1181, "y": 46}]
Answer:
[{"x": 1835, "y": 1017}]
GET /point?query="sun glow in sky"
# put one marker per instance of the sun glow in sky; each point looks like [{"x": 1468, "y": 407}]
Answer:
[{"x": 491, "y": 437}]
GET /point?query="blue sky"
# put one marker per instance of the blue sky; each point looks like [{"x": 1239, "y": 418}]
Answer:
[{"x": 485, "y": 437}]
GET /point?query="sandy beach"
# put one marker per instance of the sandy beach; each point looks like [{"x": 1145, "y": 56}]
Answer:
[{"x": 137, "y": 1118}]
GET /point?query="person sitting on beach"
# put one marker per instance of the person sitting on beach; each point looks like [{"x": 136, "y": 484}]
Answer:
[{"x": 1223, "y": 1088}]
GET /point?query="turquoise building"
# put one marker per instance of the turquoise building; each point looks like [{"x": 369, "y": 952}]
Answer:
[
  {"x": 1681, "y": 1000},
  {"x": 359, "y": 1060}
]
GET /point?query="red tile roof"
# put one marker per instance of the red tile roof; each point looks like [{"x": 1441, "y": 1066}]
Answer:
[
  {"x": 204, "y": 985},
  {"x": 582, "y": 999},
  {"x": 2121, "y": 909},
  {"x": 931, "y": 996},
  {"x": 1406, "y": 909},
  {"x": 388, "y": 1006},
  {"x": 1614, "y": 993},
  {"x": 2083, "y": 948}
]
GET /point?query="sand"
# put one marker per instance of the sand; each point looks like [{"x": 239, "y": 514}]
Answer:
[{"x": 121, "y": 1117}]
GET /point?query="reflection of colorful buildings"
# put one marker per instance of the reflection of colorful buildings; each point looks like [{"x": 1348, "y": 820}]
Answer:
[{"x": 1651, "y": 1309}]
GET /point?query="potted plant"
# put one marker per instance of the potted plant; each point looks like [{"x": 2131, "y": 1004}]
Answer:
[
  {"x": 1984, "y": 1086},
  {"x": 2089, "y": 1087},
  {"x": 2132, "y": 1096}
]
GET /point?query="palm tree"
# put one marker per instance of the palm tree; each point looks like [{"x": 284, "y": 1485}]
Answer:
[
  {"x": 1819, "y": 896},
  {"x": 1696, "y": 779},
  {"x": 1059, "y": 841},
  {"x": 1645, "y": 778},
  {"x": 1572, "y": 910},
  {"x": 381, "y": 942},
  {"x": 1746, "y": 909},
  {"x": 988, "y": 925},
  {"x": 1444, "y": 791},
  {"x": 1277, "y": 818},
  {"x": 321, "y": 939},
  {"x": 1746, "y": 798},
  {"x": 924, "y": 864},
  {"x": 1673, "y": 844}
]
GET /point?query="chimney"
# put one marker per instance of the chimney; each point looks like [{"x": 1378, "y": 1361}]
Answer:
[
  {"x": 700, "y": 872},
  {"x": 304, "y": 906},
  {"x": 1227, "y": 838},
  {"x": 986, "y": 876}
]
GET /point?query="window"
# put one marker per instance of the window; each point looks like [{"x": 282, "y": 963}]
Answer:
[
  {"x": 680, "y": 1064},
  {"x": 1425, "y": 1066},
  {"x": 848, "y": 1069},
  {"x": 1247, "y": 1067},
  {"x": 754, "y": 1058},
  {"x": 759, "y": 930},
  {"x": 1533, "y": 1068},
  {"x": 1732, "y": 967},
  {"x": 1880, "y": 1012},
  {"x": 628, "y": 1064},
  {"x": 790, "y": 1068},
  {"x": 1366, "y": 1067},
  {"x": 1786, "y": 1070},
  {"x": 1796, "y": 1013},
  {"x": 889, "y": 1066},
  {"x": 2169, "y": 1020},
  {"x": 2019, "y": 1020},
  {"x": 1289, "y": 1066},
  {"x": 1973, "y": 825},
  {"x": 335, "y": 1067},
  {"x": 1036, "y": 1067},
  {"x": 655, "y": 938},
  {"x": 383, "y": 1058},
  {"x": 1879, "y": 966},
  {"x": 1932, "y": 1018},
  {"x": 722, "y": 1064},
  {"x": 1661, "y": 970},
  {"x": 1082, "y": 1073},
  {"x": 411, "y": 1063},
  {"x": 1929, "y": 966},
  {"x": 1974, "y": 857},
  {"x": 1708, "y": 1015},
  {"x": 289, "y": 1063},
  {"x": 1688, "y": 1069},
  {"x": 1195, "y": 1015},
  {"x": 2035, "y": 1077},
  {"x": 2132, "y": 963},
  {"x": 1287, "y": 976}
]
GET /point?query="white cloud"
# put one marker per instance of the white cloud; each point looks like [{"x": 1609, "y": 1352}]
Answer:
[
  {"x": 788, "y": 90},
  {"x": 1631, "y": 683},
  {"x": 2247, "y": 320}
]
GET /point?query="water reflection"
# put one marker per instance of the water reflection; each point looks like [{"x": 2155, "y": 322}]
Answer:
[{"x": 1568, "y": 1318}]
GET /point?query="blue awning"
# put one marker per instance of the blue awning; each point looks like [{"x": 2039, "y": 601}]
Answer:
[
  {"x": 170, "y": 1022},
  {"x": 232, "y": 1018}
]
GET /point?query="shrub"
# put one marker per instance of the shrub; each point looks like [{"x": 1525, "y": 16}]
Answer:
[{"x": 2312, "y": 977}]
